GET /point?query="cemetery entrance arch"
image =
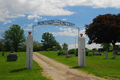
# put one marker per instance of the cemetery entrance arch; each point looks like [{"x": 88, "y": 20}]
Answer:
[
  {"x": 55, "y": 22},
  {"x": 81, "y": 40}
]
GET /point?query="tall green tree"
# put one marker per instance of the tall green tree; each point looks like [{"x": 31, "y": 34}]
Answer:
[
  {"x": 1, "y": 45},
  {"x": 36, "y": 46},
  {"x": 58, "y": 45},
  {"x": 104, "y": 29},
  {"x": 48, "y": 40},
  {"x": 65, "y": 46},
  {"x": 106, "y": 46},
  {"x": 14, "y": 36}
]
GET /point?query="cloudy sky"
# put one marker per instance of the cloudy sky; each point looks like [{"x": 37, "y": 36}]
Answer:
[{"x": 80, "y": 12}]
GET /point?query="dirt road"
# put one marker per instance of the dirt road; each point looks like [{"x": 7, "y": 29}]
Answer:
[{"x": 59, "y": 71}]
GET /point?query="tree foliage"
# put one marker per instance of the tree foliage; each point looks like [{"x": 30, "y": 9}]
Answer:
[
  {"x": 13, "y": 37},
  {"x": 48, "y": 41},
  {"x": 36, "y": 46},
  {"x": 106, "y": 46},
  {"x": 104, "y": 29},
  {"x": 65, "y": 46}
]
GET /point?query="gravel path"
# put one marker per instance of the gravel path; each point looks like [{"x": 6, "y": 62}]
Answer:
[{"x": 59, "y": 71}]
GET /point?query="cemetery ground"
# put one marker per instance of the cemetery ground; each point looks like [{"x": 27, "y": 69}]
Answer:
[
  {"x": 17, "y": 69},
  {"x": 96, "y": 65}
]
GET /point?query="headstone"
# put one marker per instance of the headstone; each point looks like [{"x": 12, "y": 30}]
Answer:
[
  {"x": 76, "y": 52},
  {"x": 86, "y": 53},
  {"x": 55, "y": 48},
  {"x": 12, "y": 50},
  {"x": 106, "y": 55},
  {"x": 66, "y": 52},
  {"x": 12, "y": 57},
  {"x": 29, "y": 51},
  {"x": 96, "y": 53},
  {"x": 114, "y": 55},
  {"x": 81, "y": 51},
  {"x": 3, "y": 54},
  {"x": 68, "y": 55}
]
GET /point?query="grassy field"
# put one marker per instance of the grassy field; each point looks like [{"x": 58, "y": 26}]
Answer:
[
  {"x": 96, "y": 65},
  {"x": 16, "y": 70}
]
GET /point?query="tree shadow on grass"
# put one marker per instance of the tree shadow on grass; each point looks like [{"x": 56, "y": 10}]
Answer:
[{"x": 17, "y": 70}]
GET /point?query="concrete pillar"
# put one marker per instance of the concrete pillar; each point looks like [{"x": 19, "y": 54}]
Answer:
[
  {"x": 106, "y": 55},
  {"x": 29, "y": 51},
  {"x": 81, "y": 51}
]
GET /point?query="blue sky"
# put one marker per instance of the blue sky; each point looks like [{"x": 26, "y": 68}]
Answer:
[{"x": 80, "y": 12}]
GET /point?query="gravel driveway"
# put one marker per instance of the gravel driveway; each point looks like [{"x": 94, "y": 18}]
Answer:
[{"x": 59, "y": 71}]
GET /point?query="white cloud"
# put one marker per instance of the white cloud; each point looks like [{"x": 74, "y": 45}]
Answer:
[
  {"x": 30, "y": 25},
  {"x": 87, "y": 46},
  {"x": 28, "y": 29},
  {"x": 56, "y": 26},
  {"x": 72, "y": 46},
  {"x": 36, "y": 20},
  {"x": 45, "y": 19},
  {"x": 36, "y": 8},
  {"x": 68, "y": 32},
  {"x": 33, "y": 16},
  {"x": 64, "y": 19},
  {"x": 94, "y": 45}
]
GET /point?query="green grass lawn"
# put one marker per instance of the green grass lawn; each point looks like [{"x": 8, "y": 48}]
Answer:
[
  {"x": 96, "y": 65},
  {"x": 16, "y": 70}
]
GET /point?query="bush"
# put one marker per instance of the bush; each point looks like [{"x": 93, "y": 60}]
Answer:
[
  {"x": 71, "y": 51},
  {"x": 49, "y": 49},
  {"x": 61, "y": 53}
]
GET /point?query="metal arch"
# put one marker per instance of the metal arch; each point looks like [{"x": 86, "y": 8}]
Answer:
[{"x": 56, "y": 22}]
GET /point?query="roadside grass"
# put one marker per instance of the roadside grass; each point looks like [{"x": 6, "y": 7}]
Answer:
[
  {"x": 96, "y": 65},
  {"x": 16, "y": 70}
]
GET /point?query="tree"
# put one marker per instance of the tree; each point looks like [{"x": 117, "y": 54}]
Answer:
[
  {"x": 104, "y": 29},
  {"x": 65, "y": 46},
  {"x": 36, "y": 46},
  {"x": 106, "y": 46},
  {"x": 1, "y": 45},
  {"x": 58, "y": 45},
  {"x": 14, "y": 36},
  {"x": 48, "y": 40}
]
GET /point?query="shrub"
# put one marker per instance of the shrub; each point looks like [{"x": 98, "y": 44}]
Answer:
[
  {"x": 71, "y": 51},
  {"x": 49, "y": 49}
]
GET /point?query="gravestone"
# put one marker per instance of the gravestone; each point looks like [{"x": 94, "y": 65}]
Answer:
[
  {"x": 66, "y": 52},
  {"x": 86, "y": 53},
  {"x": 55, "y": 48},
  {"x": 96, "y": 53},
  {"x": 3, "y": 54},
  {"x": 12, "y": 50},
  {"x": 77, "y": 52},
  {"x": 68, "y": 55},
  {"x": 12, "y": 57},
  {"x": 106, "y": 55},
  {"x": 114, "y": 55}
]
